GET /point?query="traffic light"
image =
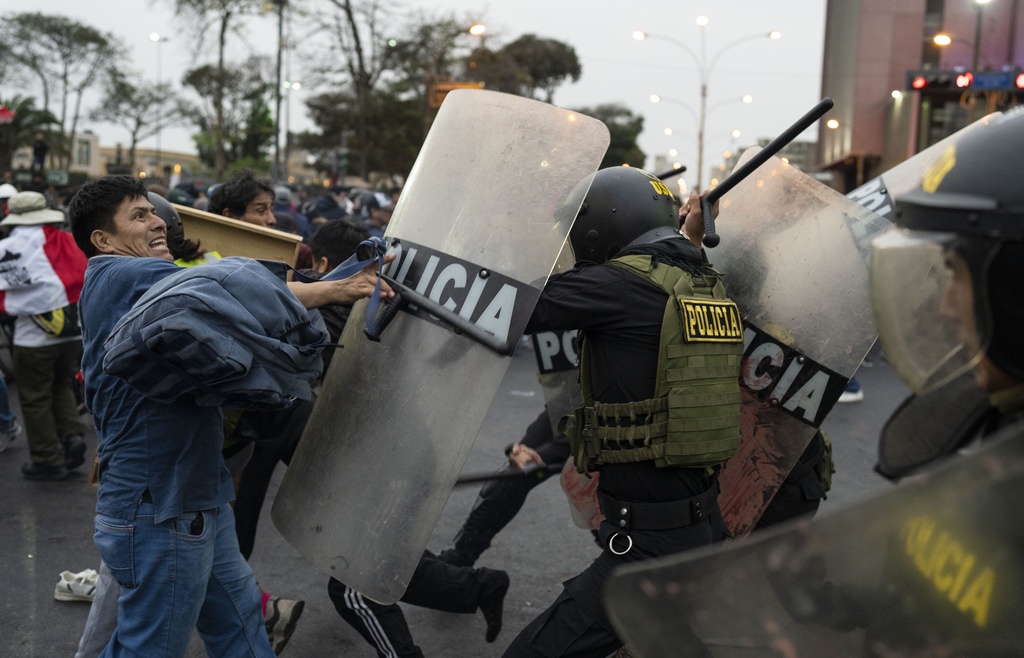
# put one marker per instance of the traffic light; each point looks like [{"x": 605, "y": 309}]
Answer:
[
  {"x": 921, "y": 80},
  {"x": 929, "y": 80}
]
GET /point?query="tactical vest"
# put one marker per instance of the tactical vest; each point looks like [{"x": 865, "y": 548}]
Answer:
[{"x": 693, "y": 419}]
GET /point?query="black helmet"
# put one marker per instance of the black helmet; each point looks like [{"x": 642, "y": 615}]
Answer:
[
  {"x": 624, "y": 206},
  {"x": 965, "y": 224},
  {"x": 175, "y": 231}
]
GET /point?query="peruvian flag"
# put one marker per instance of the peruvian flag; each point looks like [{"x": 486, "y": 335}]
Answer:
[{"x": 41, "y": 270}]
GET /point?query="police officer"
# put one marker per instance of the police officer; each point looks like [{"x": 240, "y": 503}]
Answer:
[
  {"x": 659, "y": 362},
  {"x": 958, "y": 244},
  {"x": 956, "y": 257}
]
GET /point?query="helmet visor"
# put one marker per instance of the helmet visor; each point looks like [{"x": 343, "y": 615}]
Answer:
[{"x": 924, "y": 306}]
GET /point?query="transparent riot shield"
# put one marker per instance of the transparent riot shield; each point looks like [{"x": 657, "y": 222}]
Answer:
[
  {"x": 878, "y": 194},
  {"x": 795, "y": 280},
  {"x": 931, "y": 568},
  {"x": 792, "y": 262},
  {"x": 478, "y": 228}
]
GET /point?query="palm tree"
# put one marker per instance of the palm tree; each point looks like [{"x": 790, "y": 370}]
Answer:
[{"x": 27, "y": 121}]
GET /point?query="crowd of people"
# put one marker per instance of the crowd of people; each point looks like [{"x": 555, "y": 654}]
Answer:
[{"x": 183, "y": 468}]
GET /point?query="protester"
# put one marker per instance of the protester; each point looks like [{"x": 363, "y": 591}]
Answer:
[
  {"x": 41, "y": 278},
  {"x": 164, "y": 489}
]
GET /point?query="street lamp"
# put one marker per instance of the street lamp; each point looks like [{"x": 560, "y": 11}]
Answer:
[
  {"x": 159, "y": 40},
  {"x": 980, "y": 6},
  {"x": 289, "y": 86},
  {"x": 705, "y": 66}
]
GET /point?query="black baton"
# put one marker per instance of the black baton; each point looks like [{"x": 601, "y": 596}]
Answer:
[{"x": 711, "y": 239}]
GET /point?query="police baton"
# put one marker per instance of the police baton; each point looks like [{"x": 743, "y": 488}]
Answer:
[
  {"x": 530, "y": 472},
  {"x": 711, "y": 238},
  {"x": 671, "y": 172}
]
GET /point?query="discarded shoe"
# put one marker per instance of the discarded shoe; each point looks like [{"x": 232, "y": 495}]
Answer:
[
  {"x": 79, "y": 586},
  {"x": 492, "y": 603},
  {"x": 282, "y": 615}
]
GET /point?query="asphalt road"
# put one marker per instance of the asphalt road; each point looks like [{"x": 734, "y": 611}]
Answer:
[{"x": 46, "y": 527}]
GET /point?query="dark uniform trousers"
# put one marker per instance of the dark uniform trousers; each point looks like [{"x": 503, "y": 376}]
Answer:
[
  {"x": 501, "y": 500},
  {"x": 576, "y": 624}
]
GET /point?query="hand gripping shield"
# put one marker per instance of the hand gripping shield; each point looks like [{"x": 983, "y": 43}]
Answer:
[{"x": 479, "y": 225}]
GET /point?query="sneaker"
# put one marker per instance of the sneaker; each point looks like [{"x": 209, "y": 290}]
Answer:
[
  {"x": 492, "y": 604},
  {"x": 8, "y": 435},
  {"x": 853, "y": 392},
  {"x": 74, "y": 451},
  {"x": 280, "y": 620},
  {"x": 79, "y": 586},
  {"x": 36, "y": 471}
]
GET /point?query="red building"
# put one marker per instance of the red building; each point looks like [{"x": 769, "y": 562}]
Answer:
[{"x": 897, "y": 91}]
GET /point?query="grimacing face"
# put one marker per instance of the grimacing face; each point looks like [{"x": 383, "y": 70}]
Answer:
[
  {"x": 138, "y": 232},
  {"x": 259, "y": 211}
]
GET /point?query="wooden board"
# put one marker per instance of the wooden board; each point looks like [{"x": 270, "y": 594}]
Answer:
[{"x": 230, "y": 237}]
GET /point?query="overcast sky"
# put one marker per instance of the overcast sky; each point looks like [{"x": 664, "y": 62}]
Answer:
[{"x": 784, "y": 76}]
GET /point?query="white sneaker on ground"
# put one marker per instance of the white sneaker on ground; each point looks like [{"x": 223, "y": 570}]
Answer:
[{"x": 79, "y": 586}]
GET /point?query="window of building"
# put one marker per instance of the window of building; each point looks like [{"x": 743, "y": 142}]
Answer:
[{"x": 83, "y": 154}]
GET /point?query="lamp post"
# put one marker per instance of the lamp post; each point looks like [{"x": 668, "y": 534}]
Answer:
[
  {"x": 159, "y": 40},
  {"x": 705, "y": 66},
  {"x": 280, "y": 5},
  {"x": 979, "y": 5},
  {"x": 289, "y": 85}
]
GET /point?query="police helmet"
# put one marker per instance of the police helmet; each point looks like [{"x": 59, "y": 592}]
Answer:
[
  {"x": 947, "y": 281},
  {"x": 175, "y": 231},
  {"x": 624, "y": 206}
]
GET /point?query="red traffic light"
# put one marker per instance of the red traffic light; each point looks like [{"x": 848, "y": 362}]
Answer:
[
  {"x": 964, "y": 80},
  {"x": 1020, "y": 81},
  {"x": 920, "y": 82}
]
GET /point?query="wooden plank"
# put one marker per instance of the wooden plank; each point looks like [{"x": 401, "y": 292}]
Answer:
[{"x": 230, "y": 237}]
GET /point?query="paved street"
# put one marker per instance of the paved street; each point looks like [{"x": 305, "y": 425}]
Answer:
[{"x": 47, "y": 528}]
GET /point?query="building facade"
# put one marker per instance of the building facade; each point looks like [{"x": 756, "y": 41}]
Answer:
[{"x": 897, "y": 91}]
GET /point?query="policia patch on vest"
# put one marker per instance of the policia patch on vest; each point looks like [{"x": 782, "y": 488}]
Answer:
[{"x": 706, "y": 321}]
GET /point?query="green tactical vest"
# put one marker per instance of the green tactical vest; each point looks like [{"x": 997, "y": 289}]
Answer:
[{"x": 694, "y": 417}]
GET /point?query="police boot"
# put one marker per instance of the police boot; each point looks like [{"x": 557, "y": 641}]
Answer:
[{"x": 493, "y": 587}]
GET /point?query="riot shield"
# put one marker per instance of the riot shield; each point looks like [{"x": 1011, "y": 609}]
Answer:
[
  {"x": 932, "y": 568},
  {"x": 784, "y": 288},
  {"x": 479, "y": 225},
  {"x": 793, "y": 267}
]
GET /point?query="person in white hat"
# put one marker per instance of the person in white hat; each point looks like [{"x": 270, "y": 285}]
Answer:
[
  {"x": 41, "y": 277},
  {"x": 6, "y": 192}
]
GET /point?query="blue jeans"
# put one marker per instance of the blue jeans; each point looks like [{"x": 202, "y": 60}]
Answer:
[
  {"x": 174, "y": 577},
  {"x": 6, "y": 415}
]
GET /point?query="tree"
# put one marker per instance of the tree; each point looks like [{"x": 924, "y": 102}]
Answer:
[
  {"x": 224, "y": 15},
  {"x": 244, "y": 114},
  {"x": 28, "y": 120},
  {"x": 379, "y": 78},
  {"x": 546, "y": 63},
  {"x": 67, "y": 58},
  {"x": 131, "y": 103},
  {"x": 624, "y": 127}
]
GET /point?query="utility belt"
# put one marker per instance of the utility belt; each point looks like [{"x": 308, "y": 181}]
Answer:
[{"x": 626, "y": 515}]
